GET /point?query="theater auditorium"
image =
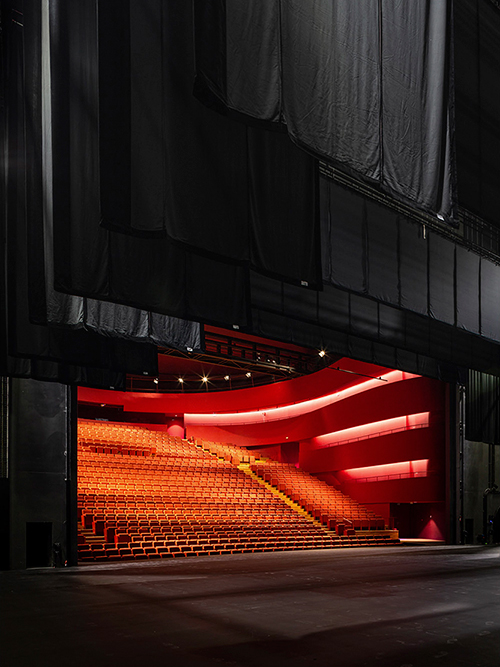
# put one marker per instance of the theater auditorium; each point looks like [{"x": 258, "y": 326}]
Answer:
[{"x": 250, "y": 332}]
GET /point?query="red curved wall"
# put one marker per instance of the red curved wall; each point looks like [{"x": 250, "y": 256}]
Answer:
[{"x": 393, "y": 453}]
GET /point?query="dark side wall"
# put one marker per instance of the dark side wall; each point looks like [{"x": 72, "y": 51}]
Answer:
[{"x": 42, "y": 479}]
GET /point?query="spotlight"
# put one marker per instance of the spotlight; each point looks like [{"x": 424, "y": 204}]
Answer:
[
  {"x": 321, "y": 353},
  {"x": 204, "y": 379},
  {"x": 181, "y": 380},
  {"x": 155, "y": 380},
  {"x": 249, "y": 375},
  {"x": 226, "y": 377}
]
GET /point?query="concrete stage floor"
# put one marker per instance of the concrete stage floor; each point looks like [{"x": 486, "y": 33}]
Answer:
[{"x": 407, "y": 606}]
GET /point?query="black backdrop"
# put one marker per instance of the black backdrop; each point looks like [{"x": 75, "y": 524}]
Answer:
[
  {"x": 477, "y": 106},
  {"x": 364, "y": 85},
  {"x": 128, "y": 201}
]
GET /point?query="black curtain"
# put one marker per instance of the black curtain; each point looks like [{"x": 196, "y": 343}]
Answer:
[
  {"x": 29, "y": 349},
  {"x": 482, "y": 400},
  {"x": 46, "y": 306},
  {"x": 169, "y": 166},
  {"x": 358, "y": 326},
  {"x": 150, "y": 274},
  {"x": 370, "y": 249},
  {"x": 363, "y": 85},
  {"x": 477, "y": 106}
]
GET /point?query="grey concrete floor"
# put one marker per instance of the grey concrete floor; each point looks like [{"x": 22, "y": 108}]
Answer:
[{"x": 389, "y": 607}]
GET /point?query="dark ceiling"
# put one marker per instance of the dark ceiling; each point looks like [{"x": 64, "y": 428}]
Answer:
[{"x": 230, "y": 360}]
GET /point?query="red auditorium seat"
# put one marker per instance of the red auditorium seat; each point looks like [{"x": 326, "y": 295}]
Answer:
[{"x": 147, "y": 495}]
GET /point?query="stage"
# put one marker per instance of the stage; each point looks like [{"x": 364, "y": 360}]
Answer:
[{"x": 406, "y": 606}]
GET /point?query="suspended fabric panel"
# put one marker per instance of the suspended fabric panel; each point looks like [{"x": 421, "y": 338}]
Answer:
[
  {"x": 357, "y": 326},
  {"x": 46, "y": 306},
  {"x": 28, "y": 349},
  {"x": 169, "y": 166},
  {"x": 89, "y": 260},
  {"x": 372, "y": 250},
  {"x": 482, "y": 401},
  {"x": 365, "y": 86},
  {"x": 477, "y": 106}
]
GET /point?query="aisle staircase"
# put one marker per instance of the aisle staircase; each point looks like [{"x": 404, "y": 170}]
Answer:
[{"x": 146, "y": 495}]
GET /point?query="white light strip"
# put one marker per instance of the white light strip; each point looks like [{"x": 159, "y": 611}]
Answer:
[
  {"x": 365, "y": 431},
  {"x": 295, "y": 409},
  {"x": 417, "y": 468}
]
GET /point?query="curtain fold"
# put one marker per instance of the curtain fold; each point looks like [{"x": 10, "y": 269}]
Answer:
[
  {"x": 365, "y": 86},
  {"x": 170, "y": 167},
  {"x": 89, "y": 260}
]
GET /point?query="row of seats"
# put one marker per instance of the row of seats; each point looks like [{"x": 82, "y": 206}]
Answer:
[
  {"x": 180, "y": 498},
  {"x": 228, "y": 452},
  {"x": 324, "y": 502}
]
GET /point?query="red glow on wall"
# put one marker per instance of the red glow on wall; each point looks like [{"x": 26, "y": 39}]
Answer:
[
  {"x": 400, "y": 470},
  {"x": 372, "y": 430},
  {"x": 296, "y": 409},
  {"x": 432, "y": 531}
]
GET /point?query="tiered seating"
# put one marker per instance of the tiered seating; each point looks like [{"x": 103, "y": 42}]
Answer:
[
  {"x": 228, "y": 452},
  {"x": 112, "y": 438},
  {"x": 176, "y": 500},
  {"x": 324, "y": 502}
]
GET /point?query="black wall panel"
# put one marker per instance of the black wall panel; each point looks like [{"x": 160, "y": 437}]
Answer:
[
  {"x": 441, "y": 279},
  {"x": 364, "y": 317},
  {"x": 369, "y": 249},
  {"x": 391, "y": 325},
  {"x": 482, "y": 423},
  {"x": 413, "y": 267},
  {"x": 333, "y": 311},
  {"x": 302, "y": 301},
  {"x": 343, "y": 226},
  {"x": 39, "y": 464},
  {"x": 383, "y": 254},
  {"x": 477, "y": 105},
  {"x": 490, "y": 289},
  {"x": 468, "y": 292}
]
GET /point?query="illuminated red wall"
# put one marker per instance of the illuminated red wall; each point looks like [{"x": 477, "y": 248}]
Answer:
[{"x": 288, "y": 422}]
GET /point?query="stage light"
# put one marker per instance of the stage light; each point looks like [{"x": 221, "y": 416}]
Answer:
[
  {"x": 249, "y": 375},
  {"x": 226, "y": 377},
  {"x": 155, "y": 380},
  {"x": 204, "y": 379},
  {"x": 181, "y": 380},
  {"x": 321, "y": 353}
]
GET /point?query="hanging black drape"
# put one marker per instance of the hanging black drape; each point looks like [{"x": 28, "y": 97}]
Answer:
[
  {"x": 28, "y": 349},
  {"x": 358, "y": 326},
  {"x": 89, "y": 261},
  {"x": 46, "y": 306},
  {"x": 482, "y": 400},
  {"x": 364, "y": 85},
  {"x": 370, "y": 249},
  {"x": 150, "y": 274},
  {"x": 393, "y": 294},
  {"x": 170, "y": 166},
  {"x": 477, "y": 106}
]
